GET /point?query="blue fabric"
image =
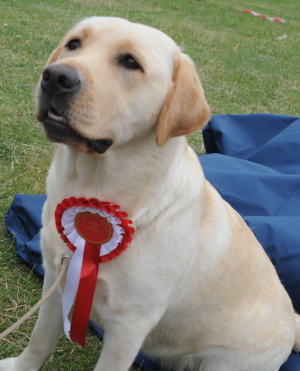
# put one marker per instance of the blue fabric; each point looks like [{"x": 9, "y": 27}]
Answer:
[
  {"x": 254, "y": 162},
  {"x": 23, "y": 222}
]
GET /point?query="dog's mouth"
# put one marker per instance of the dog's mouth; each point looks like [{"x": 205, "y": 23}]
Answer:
[
  {"x": 57, "y": 129},
  {"x": 56, "y": 118}
]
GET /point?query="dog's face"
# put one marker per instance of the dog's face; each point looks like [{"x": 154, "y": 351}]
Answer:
[{"x": 111, "y": 80}]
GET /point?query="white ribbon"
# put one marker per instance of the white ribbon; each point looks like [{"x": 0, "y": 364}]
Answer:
[{"x": 74, "y": 270}]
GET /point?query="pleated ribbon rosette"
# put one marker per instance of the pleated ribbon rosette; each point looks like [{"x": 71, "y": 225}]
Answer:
[{"x": 97, "y": 232}]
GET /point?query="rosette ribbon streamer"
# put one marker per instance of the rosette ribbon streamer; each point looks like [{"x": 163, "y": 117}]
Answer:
[{"x": 97, "y": 232}]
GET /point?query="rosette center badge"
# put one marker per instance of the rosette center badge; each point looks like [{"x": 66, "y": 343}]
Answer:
[{"x": 93, "y": 227}]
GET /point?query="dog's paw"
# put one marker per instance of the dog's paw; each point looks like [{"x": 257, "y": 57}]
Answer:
[{"x": 11, "y": 364}]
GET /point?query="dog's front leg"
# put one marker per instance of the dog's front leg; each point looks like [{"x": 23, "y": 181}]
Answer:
[
  {"x": 45, "y": 334},
  {"x": 122, "y": 342}
]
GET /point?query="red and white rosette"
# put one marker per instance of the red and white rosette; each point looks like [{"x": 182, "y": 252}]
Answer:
[{"x": 97, "y": 232}]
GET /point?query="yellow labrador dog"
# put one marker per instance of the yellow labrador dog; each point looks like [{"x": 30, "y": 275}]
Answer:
[{"x": 195, "y": 289}]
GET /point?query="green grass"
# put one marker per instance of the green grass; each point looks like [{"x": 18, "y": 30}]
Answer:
[{"x": 243, "y": 66}]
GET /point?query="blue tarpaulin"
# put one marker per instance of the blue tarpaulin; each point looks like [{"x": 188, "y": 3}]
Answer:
[{"x": 254, "y": 162}]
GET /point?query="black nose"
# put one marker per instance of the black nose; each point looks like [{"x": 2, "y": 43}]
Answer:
[{"x": 58, "y": 78}]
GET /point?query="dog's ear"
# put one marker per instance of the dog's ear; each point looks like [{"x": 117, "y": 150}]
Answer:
[
  {"x": 54, "y": 55},
  {"x": 185, "y": 109}
]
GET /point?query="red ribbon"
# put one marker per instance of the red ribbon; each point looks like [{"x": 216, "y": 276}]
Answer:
[{"x": 85, "y": 293}]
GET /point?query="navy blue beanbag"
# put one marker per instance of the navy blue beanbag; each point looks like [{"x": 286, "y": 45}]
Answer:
[{"x": 254, "y": 162}]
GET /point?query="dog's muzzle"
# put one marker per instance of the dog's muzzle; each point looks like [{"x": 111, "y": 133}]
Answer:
[{"x": 59, "y": 87}]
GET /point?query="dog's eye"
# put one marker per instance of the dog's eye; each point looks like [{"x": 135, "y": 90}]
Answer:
[
  {"x": 73, "y": 44},
  {"x": 129, "y": 62}
]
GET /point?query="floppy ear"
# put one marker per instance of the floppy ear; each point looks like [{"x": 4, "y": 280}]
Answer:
[{"x": 185, "y": 109}]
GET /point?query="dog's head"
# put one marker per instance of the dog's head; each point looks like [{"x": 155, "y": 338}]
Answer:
[{"x": 110, "y": 81}]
